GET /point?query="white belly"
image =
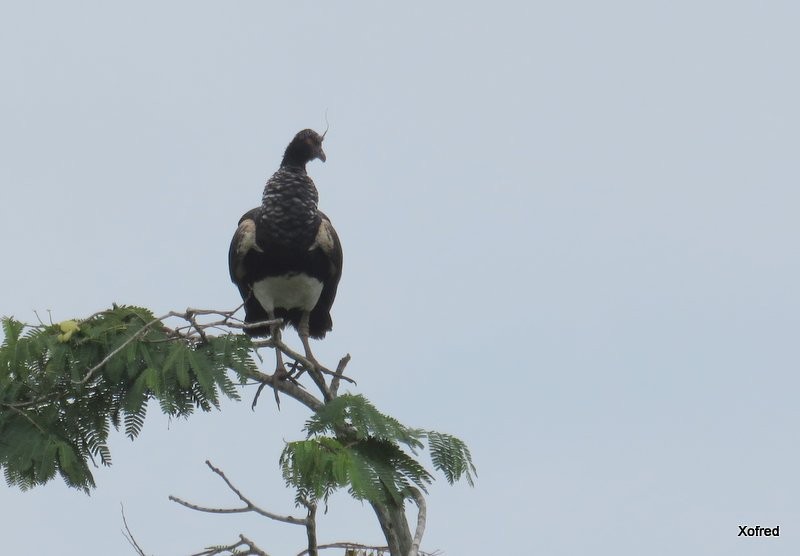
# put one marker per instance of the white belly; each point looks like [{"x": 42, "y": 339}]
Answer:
[{"x": 289, "y": 292}]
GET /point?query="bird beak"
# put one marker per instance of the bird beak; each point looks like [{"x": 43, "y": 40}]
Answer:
[{"x": 321, "y": 155}]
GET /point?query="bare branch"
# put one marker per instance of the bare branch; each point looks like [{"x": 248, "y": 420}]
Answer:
[
  {"x": 228, "y": 313},
  {"x": 15, "y": 409},
  {"x": 41, "y": 322},
  {"x": 289, "y": 352},
  {"x": 34, "y": 401},
  {"x": 128, "y": 535},
  {"x": 267, "y": 323},
  {"x": 358, "y": 546},
  {"x": 197, "y": 329},
  {"x": 249, "y": 506},
  {"x": 252, "y": 546},
  {"x": 287, "y": 387},
  {"x": 206, "y": 509},
  {"x": 421, "y": 519},
  {"x": 192, "y": 317},
  {"x": 315, "y": 370},
  {"x": 253, "y": 549},
  {"x": 339, "y": 374},
  {"x": 311, "y": 528}
]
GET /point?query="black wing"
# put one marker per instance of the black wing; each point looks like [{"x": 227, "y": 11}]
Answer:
[
  {"x": 243, "y": 242},
  {"x": 330, "y": 249}
]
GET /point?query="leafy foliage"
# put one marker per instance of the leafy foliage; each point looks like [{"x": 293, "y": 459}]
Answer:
[
  {"x": 63, "y": 385},
  {"x": 350, "y": 444},
  {"x": 451, "y": 456}
]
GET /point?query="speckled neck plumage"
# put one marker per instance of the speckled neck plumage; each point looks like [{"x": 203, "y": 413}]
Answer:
[{"x": 289, "y": 216}]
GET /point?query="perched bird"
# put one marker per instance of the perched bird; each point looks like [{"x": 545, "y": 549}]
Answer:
[{"x": 285, "y": 256}]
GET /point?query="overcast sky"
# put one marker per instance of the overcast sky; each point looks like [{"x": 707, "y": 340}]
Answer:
[{"x": 570, "y": 234}]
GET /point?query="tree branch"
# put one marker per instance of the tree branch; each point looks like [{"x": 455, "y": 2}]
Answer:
[
  {"x": 358, "y": 546},
  {"x": 339, "y": 374},
  {"x": 348, "y": 545},
  {"x": 252, "y": 549},
  {"x": 421, "y": 519},
  {"x": 394, "y": 524},
  {"x": 195, "y": 330},
  {"x": 311, "y": 528},
  {"x": 15, "y": 409},
  {"x": 249, "y": 506},
  {"x": 287, "y": 387},
  {"x": 128, "y": 535}
]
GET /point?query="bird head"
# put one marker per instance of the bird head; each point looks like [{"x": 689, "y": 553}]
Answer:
[{"x": 305, "y": 147}]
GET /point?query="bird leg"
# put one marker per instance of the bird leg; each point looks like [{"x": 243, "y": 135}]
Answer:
[
  {"x": 303, "y": 332},
  {"x": 275, "y": 331}
]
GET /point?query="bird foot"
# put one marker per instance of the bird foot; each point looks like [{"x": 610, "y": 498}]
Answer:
[
  {"x": 281, "y": 373},
  {"x": 305, "y": 368}
]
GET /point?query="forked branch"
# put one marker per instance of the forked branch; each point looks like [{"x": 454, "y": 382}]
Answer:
[{"x": 248, "y": 507}]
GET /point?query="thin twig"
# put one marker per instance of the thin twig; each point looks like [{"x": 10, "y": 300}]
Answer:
[
  {"x": 35, "y": 401},
  {"x": 15, "y": 409},
  {"x": 253, "y": 549},
  {"x": 41, "y": 322},
  {"x": 249, "y": 506},
  {"x": 339, "y": 374},
  {"x": 128, "y": 535},
  {"x": 228, "y": 313},
  {"x": 198, "y": 508},
  {"x": 192, "y": 317}
]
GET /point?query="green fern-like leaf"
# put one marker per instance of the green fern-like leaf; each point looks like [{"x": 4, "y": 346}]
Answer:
[
  {"x": 60, "y": 392},
  {"x": 363, "y": 420},
  {"x": 134, "y": 421},
  {"x": 367, "y": 456},
  {"x": 451, "y": 456},
  {"x": 391, "y": 470}
]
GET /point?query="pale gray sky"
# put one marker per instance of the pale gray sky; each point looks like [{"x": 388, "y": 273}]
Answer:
[{"x": 570, "y": 235}]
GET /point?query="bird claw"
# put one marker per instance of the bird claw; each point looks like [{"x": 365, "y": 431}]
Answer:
[
  {"x": 280, "y": 371},
  {"x": 282, "y": 374}
]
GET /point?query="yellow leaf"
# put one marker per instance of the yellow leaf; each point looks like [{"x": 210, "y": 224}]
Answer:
[{"x": 68, "y": 327}]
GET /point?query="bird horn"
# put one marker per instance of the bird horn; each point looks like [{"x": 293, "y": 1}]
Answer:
[{"x": 327, "y": 125}]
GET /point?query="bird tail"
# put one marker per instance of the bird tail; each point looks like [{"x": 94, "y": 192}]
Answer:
[{"x": 254, "y": 312}]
